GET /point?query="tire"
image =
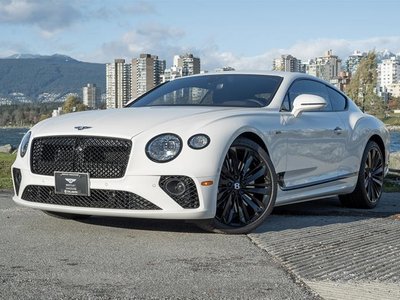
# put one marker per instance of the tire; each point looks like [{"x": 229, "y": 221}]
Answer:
[
  {"x": 247, "y": 190},
  {"x": 66, "y": 216},
  {"x": 369, "y": 185}
]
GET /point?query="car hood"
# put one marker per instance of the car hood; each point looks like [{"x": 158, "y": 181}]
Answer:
[{"x": 129, "y": 122}]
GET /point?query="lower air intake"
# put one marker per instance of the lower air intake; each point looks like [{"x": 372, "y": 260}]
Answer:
[{"x": 97, "y": 199}]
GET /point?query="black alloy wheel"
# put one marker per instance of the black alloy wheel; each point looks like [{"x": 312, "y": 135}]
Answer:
[
  {"x": 246, "y": 189},
  {"x": 369, "y": 186},
  {"x": 373, "y": 174}
]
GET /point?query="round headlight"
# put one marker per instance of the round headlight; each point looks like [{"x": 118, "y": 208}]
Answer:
[
  {"x": 23, "y": 148},
  {"x": 199, "y": 141},
  {"x": 164, "y": 147}
]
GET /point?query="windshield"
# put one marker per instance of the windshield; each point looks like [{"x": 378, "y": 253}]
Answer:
[{"x": 213, "y": 90}]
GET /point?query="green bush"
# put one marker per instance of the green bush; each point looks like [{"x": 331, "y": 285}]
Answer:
[{"x": 6, "y": 160}]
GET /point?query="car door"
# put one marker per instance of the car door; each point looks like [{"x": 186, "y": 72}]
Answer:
[{"x": 316, "y": 141}]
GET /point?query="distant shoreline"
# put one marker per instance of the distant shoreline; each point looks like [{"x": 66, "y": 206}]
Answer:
[
  {"x": 393, "y": 127},
  {"x": 15, "y": 127}
]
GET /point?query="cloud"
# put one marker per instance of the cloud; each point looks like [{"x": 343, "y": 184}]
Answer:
[
  {"x": 49, "y": 16},
  {"x": 152, "y": 38},
  {"x": 167, "y": 41},
  {"x": 212, "y": 57}
]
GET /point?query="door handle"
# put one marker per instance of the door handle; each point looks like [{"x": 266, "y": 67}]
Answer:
[{"x": 338, "y": 130}]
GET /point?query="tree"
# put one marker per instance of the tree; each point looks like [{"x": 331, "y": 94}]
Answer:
[
  {"x": 73, "y": 104},
  {"x": 394, "y": 103},
  {"x": 362, "y": 86}
]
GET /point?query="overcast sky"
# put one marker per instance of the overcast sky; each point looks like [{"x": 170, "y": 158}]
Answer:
[{"x": 245, "y": 34}]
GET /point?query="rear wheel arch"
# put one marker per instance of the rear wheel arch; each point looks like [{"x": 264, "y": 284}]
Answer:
[{"x": 377, "y": 139}]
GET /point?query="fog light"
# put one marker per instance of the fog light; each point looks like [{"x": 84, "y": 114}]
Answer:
[{"x": 175, "y": 187}]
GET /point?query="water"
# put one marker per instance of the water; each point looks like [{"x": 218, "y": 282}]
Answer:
[
  {"x": 395, "y": 141},
  {"x": 13, "y": 136}
]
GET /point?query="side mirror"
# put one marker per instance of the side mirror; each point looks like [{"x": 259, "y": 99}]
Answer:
[{"x": 307, "y": 102}]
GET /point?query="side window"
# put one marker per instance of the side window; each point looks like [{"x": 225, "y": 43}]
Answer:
[
  {"x": 304, "y": 86},
  {"x": 338, "y": 101},
  {"x": 285, "y": 104}
]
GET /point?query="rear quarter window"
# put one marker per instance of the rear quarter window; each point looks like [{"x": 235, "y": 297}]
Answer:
[{"x": 338, "y": 101}]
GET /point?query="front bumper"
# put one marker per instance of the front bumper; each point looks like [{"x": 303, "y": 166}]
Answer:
[{"x": 145, "y": 187}]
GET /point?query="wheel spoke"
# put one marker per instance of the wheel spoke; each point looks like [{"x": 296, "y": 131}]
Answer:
[
  {"x": 227, "y": 213},
  {"x": 234, "y": 161},
  {"x": 243, "y": 214},
  {"x": 378, "y": 171},
  {"x": 256, "y": 191},
  {"x": 257, "y": 173},
  {"x": 248, "y": 159},
  {"x": 377, "y": 181},
  {"x": 254, "y": 203}
]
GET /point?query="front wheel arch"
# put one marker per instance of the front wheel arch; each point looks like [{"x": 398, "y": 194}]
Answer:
[
  {"x": 255, "y": 138},
  {"x": 247, "y": 189}
]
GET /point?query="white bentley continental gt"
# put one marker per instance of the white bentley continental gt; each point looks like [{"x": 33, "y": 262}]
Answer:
[{"x": 218, "y": 149}]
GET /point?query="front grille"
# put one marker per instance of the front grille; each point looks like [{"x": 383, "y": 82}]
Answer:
[
  {"x": 98, "y": 156},
  {"x": 187, "y": 199},
  {"x": 97, "y": 199}
]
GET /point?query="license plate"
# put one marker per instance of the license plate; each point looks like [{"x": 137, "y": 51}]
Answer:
[{"x": 68, "y": 183}]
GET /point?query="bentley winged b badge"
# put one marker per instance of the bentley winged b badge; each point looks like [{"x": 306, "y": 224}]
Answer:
[{"x": 82, "y": 127}]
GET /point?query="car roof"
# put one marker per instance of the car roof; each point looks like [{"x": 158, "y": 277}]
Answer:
[
  {"x": 285, "y": 75},
  {"x": 288, "y": 77}
]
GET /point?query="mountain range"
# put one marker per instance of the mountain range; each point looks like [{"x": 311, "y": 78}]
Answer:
[{"x": 36, "y": 78}]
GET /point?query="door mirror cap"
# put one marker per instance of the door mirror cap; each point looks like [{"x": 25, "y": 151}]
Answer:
[{"x": 307, "y": 102}]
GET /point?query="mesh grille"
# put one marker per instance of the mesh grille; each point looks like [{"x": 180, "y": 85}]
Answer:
[
  {"x": 100, "y": 157},
  {"x": 190, "y": 198},
  {"x": 97, "y": 199}
]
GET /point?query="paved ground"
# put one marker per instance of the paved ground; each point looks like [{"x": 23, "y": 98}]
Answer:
[
  {"x": 340, "y": 253},
  {"x": 303, "y": 251},
  {"x": 47, "y": 258}
]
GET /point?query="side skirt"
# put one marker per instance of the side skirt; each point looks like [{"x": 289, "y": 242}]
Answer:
[{"x": 285, "y": 188}]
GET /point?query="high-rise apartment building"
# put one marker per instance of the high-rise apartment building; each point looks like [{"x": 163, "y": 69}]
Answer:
[
  {"x": 389, "y": 72},
  {"x": 171, "y": 74},
  {"x": 326, "y": 67},
  {"x": 118, "y": 83},
  {"x": 286, "y": 63},
  {"x": 353, "y": 61},
  {"x": 189, "y": 64},
  {"x": 146, "y": 73},
  {"x": 91, "y": 96}
]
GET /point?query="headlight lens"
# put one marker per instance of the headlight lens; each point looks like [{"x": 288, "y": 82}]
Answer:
[
  {"x": 199, "y": 141},
  {"x": 23, "y": 148},
  {"x": 164, "y": 147}
]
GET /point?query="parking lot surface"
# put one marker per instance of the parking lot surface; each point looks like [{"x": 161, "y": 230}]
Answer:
[
  {"x": 315, "y": 250},
  {"x": 48, "y": 258}
]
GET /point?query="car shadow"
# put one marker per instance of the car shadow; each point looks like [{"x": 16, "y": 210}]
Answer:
[
  {"x": 294, "y": 216},
  {"x": 324, "y": 212},
  {"x": 144, "y": 224}
]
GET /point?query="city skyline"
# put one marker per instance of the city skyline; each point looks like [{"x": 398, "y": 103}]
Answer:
[{"x": 239, "y": 34}]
